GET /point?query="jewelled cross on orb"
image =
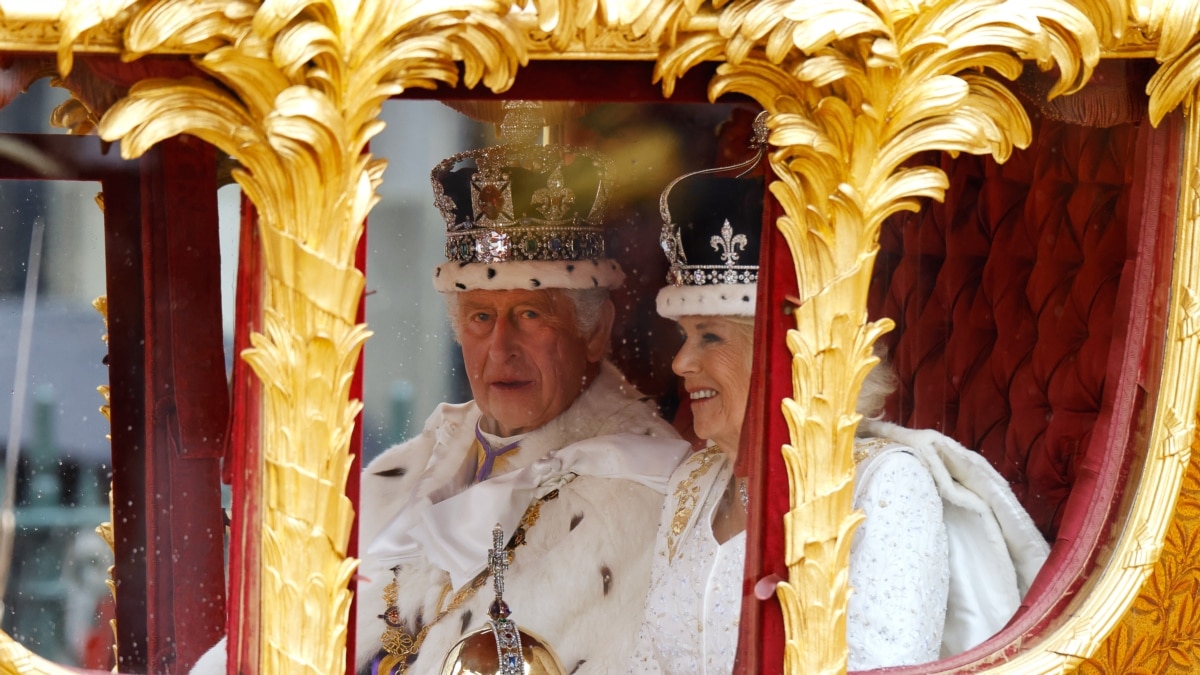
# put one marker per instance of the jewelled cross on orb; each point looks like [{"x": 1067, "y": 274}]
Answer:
[
  {"x": 498, "y": 563},
  {"x": 509, "y": 652}
]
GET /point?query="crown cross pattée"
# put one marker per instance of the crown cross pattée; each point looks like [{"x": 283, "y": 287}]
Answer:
[{"x": 730, "y": 243}]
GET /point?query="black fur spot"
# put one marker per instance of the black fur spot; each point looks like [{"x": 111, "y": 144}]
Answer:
[
  {"x": 463, "y": 264},
  {"x": 461, "y": 287},
  {"x": 594, "y": 282},
  {"x": 466, "y": 621},
  {"x": 606, "y": 578},
  {"x": 570, "y": 268},
  {"x": 575, "y": 520},
  {"x": 577, "y": 666},
  {"x": 392, "y": 473},
  {"x": 491, "y": 272},
  {"x": 745, "y": 298},
  {"x": 724, "y": 298},
  {"x": 535, "y": 283},
  {"x": 437, "y": 272}
]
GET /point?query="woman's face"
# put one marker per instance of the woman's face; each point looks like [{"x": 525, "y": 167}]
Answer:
[{"x": 714, "y": 363}]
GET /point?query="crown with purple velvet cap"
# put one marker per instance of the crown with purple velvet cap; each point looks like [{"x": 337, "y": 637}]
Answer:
[{"x": 522, "y": 215}]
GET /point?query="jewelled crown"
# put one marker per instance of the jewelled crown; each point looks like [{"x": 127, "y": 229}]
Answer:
[
  {"x": 712, "y": 226},
  {"x": 524, "y": 215}
]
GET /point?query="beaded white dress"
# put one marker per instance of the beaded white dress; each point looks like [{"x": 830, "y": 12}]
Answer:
[
  {"x": 692, "y": 610},
  {"x": 899, "y": 566},
  {"x": 899, "y": 562},
  {"x": 940, "y": 563}
]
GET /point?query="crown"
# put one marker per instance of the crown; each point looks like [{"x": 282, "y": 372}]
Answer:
[
  {"x": 712, "y": 225},
  {"x": 524, "y": 202}
]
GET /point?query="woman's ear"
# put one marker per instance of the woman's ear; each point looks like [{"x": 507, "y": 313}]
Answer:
[{"x": 598, "y": 341}]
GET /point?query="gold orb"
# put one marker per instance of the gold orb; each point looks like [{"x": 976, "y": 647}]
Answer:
[{"x": 476, "y": 654}]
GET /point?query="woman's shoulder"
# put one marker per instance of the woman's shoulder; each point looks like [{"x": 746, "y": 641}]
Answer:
[
  {"x": 697, "y": 465},
  {"x": 881, "y": 462}
]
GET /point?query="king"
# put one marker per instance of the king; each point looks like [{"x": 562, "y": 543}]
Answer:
[{"x": 556, "y": 446}]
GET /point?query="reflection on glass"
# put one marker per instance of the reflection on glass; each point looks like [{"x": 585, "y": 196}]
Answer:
[{"x": 56, "y": 601}]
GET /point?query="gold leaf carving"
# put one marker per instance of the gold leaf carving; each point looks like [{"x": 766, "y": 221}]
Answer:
[
  {"x": 16, "y": 660},
  {"x": 1162, "y": 633},
  {"x": 855, "y": 90},
  {"x": 297, "y": 92},
  {"x": 1190, "y": 309}
]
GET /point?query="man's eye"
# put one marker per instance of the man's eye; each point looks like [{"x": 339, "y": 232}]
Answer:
[
  {"x": 480, "y": 316},
  {"x": 530, "y": 314}
]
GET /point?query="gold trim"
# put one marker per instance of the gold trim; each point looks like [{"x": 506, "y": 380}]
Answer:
[
  {"x": 854, "y": 90},
  {"x": 687, "y": 496}
]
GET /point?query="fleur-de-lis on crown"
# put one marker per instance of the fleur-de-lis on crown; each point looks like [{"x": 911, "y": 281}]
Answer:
[{"x": 729, "y": 243}]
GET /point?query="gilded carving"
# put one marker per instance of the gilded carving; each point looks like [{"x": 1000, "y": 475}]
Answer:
[
  {"x": 1159, "y": 632},
  {"x": 105, "y": 530},
  {"x": 854, "y": 91},
  {"x": 300, "y": 88}
]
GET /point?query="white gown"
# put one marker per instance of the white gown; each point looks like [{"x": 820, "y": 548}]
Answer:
[
  {"x": 921, "y": 524},
  {"x": 695, "y": 600}
]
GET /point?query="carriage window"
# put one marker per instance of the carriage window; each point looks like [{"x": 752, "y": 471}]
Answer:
[
  {"x": 51, "y": 360},
  {"x": 413, "y": 361}
]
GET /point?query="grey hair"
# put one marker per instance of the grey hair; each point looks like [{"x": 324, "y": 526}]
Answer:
[
  {"x": 588, "y": 304},
  {"x": 877, "y": 386}
]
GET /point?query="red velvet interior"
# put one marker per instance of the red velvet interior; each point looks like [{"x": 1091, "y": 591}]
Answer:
[
  {"x": 1004, "y": 300},
  {"x": 1025, "y": 306}
]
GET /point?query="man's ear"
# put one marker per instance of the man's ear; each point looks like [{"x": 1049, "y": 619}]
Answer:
[{"x": 598, "y": 341}]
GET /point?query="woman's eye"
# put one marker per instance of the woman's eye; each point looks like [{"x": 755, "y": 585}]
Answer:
[{"x": 711, "y": 338}]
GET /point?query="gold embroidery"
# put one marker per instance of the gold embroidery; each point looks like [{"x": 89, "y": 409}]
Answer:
[
  {"x": 866, "y": 448},
  {"x": 687, "y": 493}
]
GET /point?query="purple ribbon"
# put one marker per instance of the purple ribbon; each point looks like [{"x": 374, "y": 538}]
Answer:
[{"x": 489, "y": 455}]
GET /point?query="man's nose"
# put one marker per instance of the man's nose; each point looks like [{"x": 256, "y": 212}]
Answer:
[{"x": 504, "y": 342}]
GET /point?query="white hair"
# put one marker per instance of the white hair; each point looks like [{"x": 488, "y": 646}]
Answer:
[
  {"x": 877, "y": 386},
  {"x": 588, "y": 304}
]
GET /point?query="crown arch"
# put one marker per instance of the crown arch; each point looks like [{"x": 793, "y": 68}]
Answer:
[{"x": 854, "y": 92}]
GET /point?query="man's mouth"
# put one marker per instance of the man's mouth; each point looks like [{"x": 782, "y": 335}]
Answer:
[{"x": 510, "y": 385}]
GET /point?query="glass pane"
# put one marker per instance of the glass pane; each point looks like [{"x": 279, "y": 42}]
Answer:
[
  {"x": 56, "y": 591},
  {"x": 413, "y": 362}
]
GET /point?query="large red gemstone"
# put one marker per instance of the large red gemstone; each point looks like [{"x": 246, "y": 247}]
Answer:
[{"x": 491, "y": 201}]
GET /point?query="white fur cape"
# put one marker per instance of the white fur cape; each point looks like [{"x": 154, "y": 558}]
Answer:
[
  {"x": 995, "y": 549},
  {"x": 580, "y": 579}
]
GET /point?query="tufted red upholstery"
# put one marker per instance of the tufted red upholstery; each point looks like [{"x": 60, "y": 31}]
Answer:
[
  {"x": 1003, "y": 298},
  {"x": 1029, "y": 310}
]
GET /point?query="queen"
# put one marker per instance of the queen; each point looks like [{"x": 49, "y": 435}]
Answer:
[{"x": 946, "y": 552}]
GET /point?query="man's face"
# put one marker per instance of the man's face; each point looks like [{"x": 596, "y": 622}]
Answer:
[{"x": 526, "y": 359}]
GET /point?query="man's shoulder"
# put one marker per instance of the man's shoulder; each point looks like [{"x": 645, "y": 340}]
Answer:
[
  {"x": 447, "y": 421},
  {"x": 616, "y": 406}
]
